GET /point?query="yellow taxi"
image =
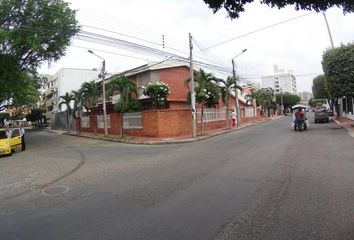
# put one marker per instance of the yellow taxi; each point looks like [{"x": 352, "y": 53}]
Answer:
[{"x": 10, "y": 140}]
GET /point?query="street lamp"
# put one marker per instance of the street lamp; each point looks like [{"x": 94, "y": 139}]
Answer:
[
  {"x": 236, "y": 93},
  {"x": 103, "y": 75}
]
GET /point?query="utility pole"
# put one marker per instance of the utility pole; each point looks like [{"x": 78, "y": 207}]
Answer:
[
  {"x": 236, "y": 95},
  {"x": 281, "y": 102},
  {"x": 103, "y": 75},
  {"x": 237, "y": 105},
  {"x": 191, "y": 70},
  {"x": 328, "y": 29}
]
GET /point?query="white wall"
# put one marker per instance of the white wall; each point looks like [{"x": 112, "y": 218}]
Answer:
[{"x": 69, "y": 79}]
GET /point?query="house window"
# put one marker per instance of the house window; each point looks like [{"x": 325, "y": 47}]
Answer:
[{"x": 147, "y": 77}]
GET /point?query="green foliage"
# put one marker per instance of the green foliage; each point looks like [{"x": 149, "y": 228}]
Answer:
[
  {"x": 126, "y": 102},
  {"x": 228, "y": 87},
  {"x": 31, "y": 32},
  {"x": 35, "y": 31},
  {"x": 264, "y": 97},
  {"x": 126, "y": 89},
  {"x": 235, "y": 7},
  {"x": 90, "y": 94},
  {"x": 4, "y": 116},
  {"x": 79, "y": 99},
  {"x": 17, "y": 87},
  {"x": 35, "y": 115},
  {"x": 316, "y": 102},
  {"x": 206, "y": 91},
  {"x": 133, "y": 105},
  {"x": 158, "y": 92},
  {"x": 66, "y": 100},
  {"x": 338, "y": 66},
  {"x": 319, "y": 87},
  {"x": 289, "y": 99}
]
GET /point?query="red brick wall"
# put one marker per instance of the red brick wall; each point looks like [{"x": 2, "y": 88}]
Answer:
[
  {"x": 150, "y": 123},
  {"x": 174, "y": 122},
  {"x": 175, "y": 78}
]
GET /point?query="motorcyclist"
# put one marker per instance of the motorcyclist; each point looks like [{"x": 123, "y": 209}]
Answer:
[{"x": 299, "y": 116}]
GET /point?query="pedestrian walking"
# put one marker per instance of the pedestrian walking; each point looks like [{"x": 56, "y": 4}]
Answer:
[
  {"x": 23, "y": 141},
  {"x": 233, "y": 117}
]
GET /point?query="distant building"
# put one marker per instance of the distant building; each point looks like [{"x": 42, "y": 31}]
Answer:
[
  {"x": 305, "y": 96},
  {"x": 63, "y": 81},
  {"x": 280, "y": 81}
]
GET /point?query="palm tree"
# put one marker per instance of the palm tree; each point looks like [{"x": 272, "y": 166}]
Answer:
[
  {"x": 78, "y": 104},
  {"x": 67, "y": 98},
  {"x": 126, "y": 89},
  {"x": 90, "y": 94},
  {"x": 250, "y": 100},
  {"x": 206, "y": 92},
  {"x": 229, "y": 86}
]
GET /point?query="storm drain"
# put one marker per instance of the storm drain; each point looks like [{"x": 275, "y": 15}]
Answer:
[{"x": 55, "y": 190}]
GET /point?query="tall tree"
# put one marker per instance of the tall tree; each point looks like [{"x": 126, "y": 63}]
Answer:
[
  {"x": 31, "y": 32},
  {"x": 227, "y": 89},
  {"x": 250, "y": 98},
  {"x": 17, "y": 87},
  {"x": 90, "y": 93},
  {"x": 289, "y": 99},
  {"x": 66, "y": 100},
  {"x": 79, "y": 99},
  {"x": 264, "y": 97},
  {"x": 36, "y": 116},
  {"x": 338, "y": 66},
  {"x": 206, "y": 92},
  {"x": 126, "y": 102},
  {"x": 319, "y": 87},
  {"x": 235, "y": 7}
]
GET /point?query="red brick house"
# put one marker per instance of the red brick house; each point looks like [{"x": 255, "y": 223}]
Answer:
[{"x": 176, "y": 118}]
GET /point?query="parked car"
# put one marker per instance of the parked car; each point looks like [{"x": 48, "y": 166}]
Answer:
[
  {"x": 321, "y": 115},
  {"x": 10, "y": 141}
]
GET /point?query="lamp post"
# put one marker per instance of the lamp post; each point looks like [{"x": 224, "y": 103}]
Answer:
[
  {"x": 103, "y": 75},
  {"x": 236, "y": 93},
  {"x": 281, "y": 102}
]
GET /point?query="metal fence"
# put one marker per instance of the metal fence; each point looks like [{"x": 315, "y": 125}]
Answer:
[
  {"x": 212, "y": 115},
  {"x": 85, "y": 122},
  {"x": 133, "y": 120},
  {"x": 59, "y": 121},
  {"x": 100, "y": 122}
]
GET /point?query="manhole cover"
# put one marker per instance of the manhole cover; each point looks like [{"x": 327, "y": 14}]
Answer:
[{"x": 55, "y": 190}]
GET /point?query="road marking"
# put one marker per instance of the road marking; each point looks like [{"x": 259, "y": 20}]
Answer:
[{"x": 55, "y": 190}]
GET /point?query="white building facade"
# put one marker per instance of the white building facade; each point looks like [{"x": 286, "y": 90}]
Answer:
[
  {"x": 280, "y": 81},
  {"x": 63, "y": 81}
]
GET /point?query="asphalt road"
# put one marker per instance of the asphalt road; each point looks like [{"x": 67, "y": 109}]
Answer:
[{"x": 262, "y": 182}]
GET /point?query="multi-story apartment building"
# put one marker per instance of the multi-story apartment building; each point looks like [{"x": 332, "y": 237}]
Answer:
[
  {"x": 305, "y": 97},
  {"x": 280, "y": 81},
  {"x": 63, "y": 81}
]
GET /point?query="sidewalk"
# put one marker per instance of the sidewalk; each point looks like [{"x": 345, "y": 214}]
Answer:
[
  {"x": 346, "y": 123},
  {"x": 163, "y": 140}
]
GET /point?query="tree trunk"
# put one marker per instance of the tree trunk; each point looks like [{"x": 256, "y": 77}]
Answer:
[
  {"x": 202, "y": 120},
  {"x": 121, "y": 124},
  {"x": 67, "y": 121},
  {"x": 227, "y": 114}
]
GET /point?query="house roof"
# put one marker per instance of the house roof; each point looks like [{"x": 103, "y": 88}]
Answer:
[{"x": 168, "y": 63}]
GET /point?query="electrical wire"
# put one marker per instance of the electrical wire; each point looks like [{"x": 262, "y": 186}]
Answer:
[{"x": 255, "y": 31}]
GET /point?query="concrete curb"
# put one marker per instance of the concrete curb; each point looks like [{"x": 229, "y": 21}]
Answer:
[
  {"x": 349, "y": 129},
  {"x": 165, "y": 142}
]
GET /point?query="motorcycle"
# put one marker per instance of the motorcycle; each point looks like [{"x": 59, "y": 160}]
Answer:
[{"x": 299, "y": 123}]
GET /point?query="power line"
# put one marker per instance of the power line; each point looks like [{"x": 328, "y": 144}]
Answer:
[{"x": 255, "y": 31}]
